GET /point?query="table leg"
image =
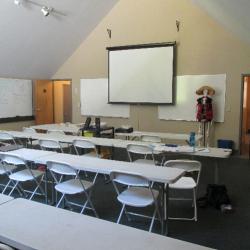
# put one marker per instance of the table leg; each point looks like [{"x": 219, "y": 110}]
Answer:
[
  {"x": 46, "y": 185},
  {"x": 216, "y": 172},
  {"x": 165, "y": 207}
]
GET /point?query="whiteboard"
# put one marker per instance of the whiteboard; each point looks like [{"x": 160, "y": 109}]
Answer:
[
  {"x": 185, "y": 106},
  {"x": 94, "y": 100},
  {"x": 141, "y": 74},
  {"x": 15, "y": 98}
]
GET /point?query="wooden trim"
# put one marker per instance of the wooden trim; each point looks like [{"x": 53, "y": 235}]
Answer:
[{"x": 17, "y": 119}]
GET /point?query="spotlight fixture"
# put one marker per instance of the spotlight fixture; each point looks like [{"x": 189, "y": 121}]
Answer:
[
  {"x": 46, "y": 10},
  {"x": 17, "y": 2}
]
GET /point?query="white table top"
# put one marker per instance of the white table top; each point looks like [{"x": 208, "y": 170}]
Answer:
[
  {"x": 171, "y": 136},
  {"x": 118, "y": 143},
  {"x": 5, "y": 198},
  {"x": 43, "y": 227},
  {"x": 97, "y": 165},
  {"x": 68, "y": 128},
  {"x": 29, "y": 154}
]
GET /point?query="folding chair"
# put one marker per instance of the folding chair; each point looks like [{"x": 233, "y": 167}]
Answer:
[
  {"x": 30, "y": 142},
  {"x": 151, "y": 138},
  {"x": 142, "y": 151},
  {"x": 186, "y": 182},
  {"x": 48, "y": 144},
  {"x": 6, "y": 137},
  {"x": 137, "y": 194},
  {"x": 24, "y": 175},
  {"x": 71, "y": 186},
  {"x": 6, "y": 170},
  {"x": 64, "y": 145}
]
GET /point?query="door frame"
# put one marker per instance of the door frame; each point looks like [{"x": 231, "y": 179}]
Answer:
[
  {"x": 63, "y": 79},
  {"x": 241, "y": 108}
]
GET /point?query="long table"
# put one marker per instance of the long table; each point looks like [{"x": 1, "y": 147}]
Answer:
[
  {"x": 216, "y": 153},
  {"x": 162, "y": 175},
  {"x": 65, "y": 127},
  {"x": 5, "y": 198},
  {"x": 162, "y": 135},
  {"x": 39, "y": 226},
  {"x": 118, "y": 143}
]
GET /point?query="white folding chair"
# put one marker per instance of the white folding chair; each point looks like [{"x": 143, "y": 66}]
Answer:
[
  {"x": 192, "y": 168},
  {"x": 151, "y": 138},
  {"x": 24, "y": 175},
  {"x": 64, "y": 145},
  {"x": 137, "y": 194},
  {"x": 48, "y": 144},
  {"x": 85, "y": 145},
  {"x": 30, "y": 142},
  {"x": 72, "y": 186},
  {"x": 6, "y": 170},
  {"x": 142, "y": 151},
  {"x": 6, "y": 137},
  {"x": 5, "y": 247}
]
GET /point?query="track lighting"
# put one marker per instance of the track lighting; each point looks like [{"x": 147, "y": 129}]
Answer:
[
  {"x": 17, "y": 2},
  {"x": 46, "y": 10}
]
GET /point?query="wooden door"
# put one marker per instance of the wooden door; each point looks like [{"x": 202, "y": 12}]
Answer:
[
  {"x": 43, "y": 96},
  {"x": 67, "y": 103}
]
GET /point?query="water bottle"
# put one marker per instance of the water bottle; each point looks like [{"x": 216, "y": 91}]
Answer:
[{"x": 192, "y": 139}]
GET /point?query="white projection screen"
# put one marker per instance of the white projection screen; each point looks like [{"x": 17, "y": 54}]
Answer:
[{"x": 141, "y": 73}]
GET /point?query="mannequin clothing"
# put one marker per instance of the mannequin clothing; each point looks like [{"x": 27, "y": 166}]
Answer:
[{"x": 204, "y": 109}]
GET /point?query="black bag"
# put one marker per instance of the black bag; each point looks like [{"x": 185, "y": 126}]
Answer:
[{"x": 217, "y": 195}]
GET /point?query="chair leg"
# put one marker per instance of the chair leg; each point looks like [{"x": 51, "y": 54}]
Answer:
[
  {"x": 91, "y": 204},
  {"x": 152, "y": 221},
  {"x": 195, "y": 204},
  {"x": 59, "y": 202},
  {"x": 10, "y": 193},
  {"x": 6, "y": 186},
  {"x": 120, "y": 215}
]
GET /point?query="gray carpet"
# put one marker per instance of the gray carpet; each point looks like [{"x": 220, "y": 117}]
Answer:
[{"x": 214, "y": 228}]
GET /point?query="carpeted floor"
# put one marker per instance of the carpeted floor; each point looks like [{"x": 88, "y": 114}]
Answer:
[{"x": 214, "y": 228}]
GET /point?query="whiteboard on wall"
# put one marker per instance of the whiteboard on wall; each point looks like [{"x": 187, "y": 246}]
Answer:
[
  {"x": 185, "y": 106},
  {"x": 15, "y": 98},
  {"x": 94, "y": 100}
]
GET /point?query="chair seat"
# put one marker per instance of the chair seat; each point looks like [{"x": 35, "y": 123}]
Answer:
[
  {"x": 90, "y": 154},
  {"x": 184, "y": 183},
  {"x": 25, "y": 175},
  {"x": 137, "y": 197},
  {"x": 73, "y": 186},
  {"x": 145, "y": 161},
  {"x": 6, "y": 169}
]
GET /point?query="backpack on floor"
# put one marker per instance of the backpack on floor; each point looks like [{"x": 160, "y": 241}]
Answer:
[{"x": 217, "y": 195}]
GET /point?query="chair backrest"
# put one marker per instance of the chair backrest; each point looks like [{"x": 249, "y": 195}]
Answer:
[
  {"x": 55, "y": 132},
  {"x": 12, "y": 159},
  {"x": 61, "y": 168},
  {"x": 137, "y": 149},
  {"x": 5, "y": 136},
  {"x": 84, "y": 144},
  {"x": 49, "y": 144},
  {"x": 189, "y": 166},
  {"x": 29, "y": 130},
  {"x": 150, "y": 138},
  {"x": 129, "y": 179}
]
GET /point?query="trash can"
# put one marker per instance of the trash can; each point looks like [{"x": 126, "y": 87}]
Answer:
[{"x": 222, "y": 143}]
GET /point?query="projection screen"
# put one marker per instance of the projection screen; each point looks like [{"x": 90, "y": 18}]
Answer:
[{"x": 141, "y": 73}]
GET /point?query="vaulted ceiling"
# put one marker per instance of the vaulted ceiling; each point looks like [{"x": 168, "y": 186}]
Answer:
[
  {"x": 231, "y": 14},
  {"x": 34, "y": 46}
]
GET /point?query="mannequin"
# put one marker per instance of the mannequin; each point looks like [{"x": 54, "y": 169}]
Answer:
[{"x": 204, "y": 112}]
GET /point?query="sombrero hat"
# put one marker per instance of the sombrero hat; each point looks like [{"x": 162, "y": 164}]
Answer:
[{"x": 210, "y": 90}]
